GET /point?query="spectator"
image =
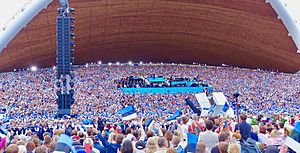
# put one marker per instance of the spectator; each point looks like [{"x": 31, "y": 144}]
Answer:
[
  {"x": 52, "y": 147},
  {"x": 41, "y": 149},
  {"x": 111, "y": 147},
  {"x": 47, "y": 141},
  {"x": 223, "y": 147},
  {"x": 244, "y": 127},
  {"x": 162, "y": 145},
  {"x": 22, "y": 149},
  {"x": 223, "y": 137},
  {"x": 254, "y": 133},
  {"x": 168, "y": 135},
  {"x": 36, "y": 142},
  {"x": 140, "y": 146},
  {"x": 209, "y": 137},
  {"x": 171, "y": 150},
  {"x": 262, "y": 137},
  {"x": 236, "y": 137},
  {"x": 13, "y": 148},
  {"x": 201, "y": 148},
  {"x": 98, "y": 146},
  {"x": 275, "y": 138},
  {"x": 30, "y": 146},
  {"x": 151, "y": 145},
  {"x": 176, "y": 143},
  {"x": 127, "y": 147},
  {"x": 234, "y": 148},
  {"x": 89, "y": 146}
]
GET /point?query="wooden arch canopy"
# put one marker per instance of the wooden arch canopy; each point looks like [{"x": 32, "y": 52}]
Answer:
[{"x": 241, "y": 33}]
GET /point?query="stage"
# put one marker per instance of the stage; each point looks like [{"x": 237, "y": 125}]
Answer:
[{"x": 165, "y": 90}]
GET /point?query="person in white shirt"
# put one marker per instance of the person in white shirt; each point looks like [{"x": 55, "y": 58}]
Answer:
[{"x": 209, "y": 137}]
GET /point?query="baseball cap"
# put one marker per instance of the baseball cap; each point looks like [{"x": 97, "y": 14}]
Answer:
[{"x": 140, "y": 145}]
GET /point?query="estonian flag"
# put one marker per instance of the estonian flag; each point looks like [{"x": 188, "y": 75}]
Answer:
[
  {"x": 3, "y": 130},
  {"x": 192, "y": 106},
  {"x": 177, "y": 114},
  {"x": 293, "y": 140},
  {"x": 88, "y": 123},
  {"x": 150, "y": 123},
  {"x": 127, "y": 113}
]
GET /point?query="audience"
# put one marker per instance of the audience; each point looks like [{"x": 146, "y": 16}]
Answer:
[{"x": 269, "y": 102}]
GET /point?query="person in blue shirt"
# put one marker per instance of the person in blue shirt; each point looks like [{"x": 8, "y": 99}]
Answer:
[
  {"x": 98, "y": 146},
  {"x": 111, "y": 147},
  {"x": 244, "y": 127}
]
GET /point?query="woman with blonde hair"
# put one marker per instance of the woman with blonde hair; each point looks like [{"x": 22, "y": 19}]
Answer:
[
  {"x": 275, "y": 138},
  {"x": 151, "y": 145},
  {"x": 236, "y": 137},
  {"x": 234, "y": 148}
]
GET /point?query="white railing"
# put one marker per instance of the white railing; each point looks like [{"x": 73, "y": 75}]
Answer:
[
  {"x": 288, "y": 21},
  {"x": 20, "y": 19}
]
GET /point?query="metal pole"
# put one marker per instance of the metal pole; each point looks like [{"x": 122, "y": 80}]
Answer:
[{"x": 237, "y": 110}]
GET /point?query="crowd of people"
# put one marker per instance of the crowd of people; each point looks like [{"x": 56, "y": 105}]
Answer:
[{"x": 29, "y": 101}]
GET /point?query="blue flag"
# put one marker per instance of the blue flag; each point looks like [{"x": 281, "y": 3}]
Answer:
[
  {"x": 177, "y": 114},
  {"x": 192, "y": 138},
  {"x": 127, "y": 113},
  {"x": 225, "y": 107}
]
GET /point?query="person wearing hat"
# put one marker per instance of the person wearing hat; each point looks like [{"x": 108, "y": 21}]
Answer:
[
  {"x": 64, "y": 144},
  {"x": 140, "y": 146}
]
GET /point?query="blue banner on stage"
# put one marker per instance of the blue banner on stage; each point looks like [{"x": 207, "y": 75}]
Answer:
[{"x": 164, "y": 90}]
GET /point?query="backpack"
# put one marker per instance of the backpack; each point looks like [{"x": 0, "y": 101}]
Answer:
[
  {"x": 249, "y": 146},
  {"x": 271, "y": 149}
]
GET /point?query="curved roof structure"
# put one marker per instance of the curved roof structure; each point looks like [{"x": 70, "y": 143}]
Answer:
[{"x": 246, "y": 34}]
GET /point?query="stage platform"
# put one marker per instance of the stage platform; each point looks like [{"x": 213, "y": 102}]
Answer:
[{"x": 165, "y": 90}]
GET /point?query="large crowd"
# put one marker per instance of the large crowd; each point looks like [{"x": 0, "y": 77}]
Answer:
[{"x": 29, "y": 102}]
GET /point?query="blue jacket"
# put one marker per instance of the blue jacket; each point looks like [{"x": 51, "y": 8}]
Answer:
[
  {"x": 98, "y": 146},
  {"x": 109, "y": 147}
]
